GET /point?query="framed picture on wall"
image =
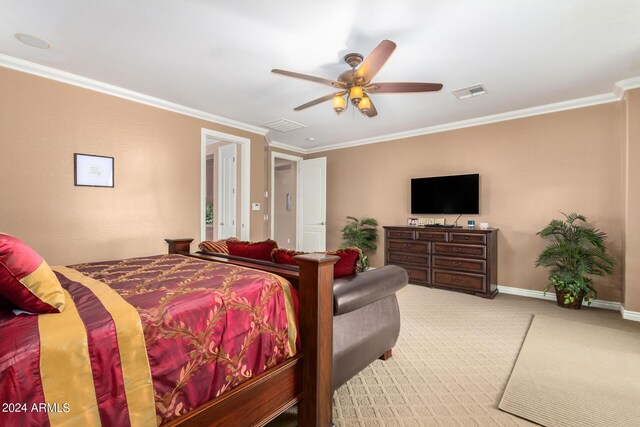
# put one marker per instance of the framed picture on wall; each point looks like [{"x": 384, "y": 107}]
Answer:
[{"x": 92, "y": 171}]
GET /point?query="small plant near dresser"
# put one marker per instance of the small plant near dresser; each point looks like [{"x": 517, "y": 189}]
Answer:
[
  {"x": 574, "y": 253},
  {"x": 362, "y": 233}
]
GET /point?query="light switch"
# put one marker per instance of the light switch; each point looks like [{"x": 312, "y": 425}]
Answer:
[{"x": 255, "y": 206}]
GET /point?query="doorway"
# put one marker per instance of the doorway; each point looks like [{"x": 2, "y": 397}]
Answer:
[
  {"x": 225, "y": 183},
  {"x": 298, "y": 202},
  {"x": 227, "y": 200},
  {"x": 284, "y": 171}
]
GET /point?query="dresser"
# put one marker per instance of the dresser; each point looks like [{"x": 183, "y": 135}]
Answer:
[{"x": 451, "y": 258}]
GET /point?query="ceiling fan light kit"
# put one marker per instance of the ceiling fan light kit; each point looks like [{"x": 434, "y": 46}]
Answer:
[
  {"x": 356, "y": 83},
  {"x": 365, "y": 104},
  {"x": 355, "y": 93},
  {"x": 338, "y": 104}
]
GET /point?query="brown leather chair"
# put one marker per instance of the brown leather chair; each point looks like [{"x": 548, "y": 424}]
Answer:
[{"x": 366, "y": 321}]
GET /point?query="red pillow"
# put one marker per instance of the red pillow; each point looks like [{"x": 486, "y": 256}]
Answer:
[
  {"x": 26, "y": 280},
  {"x": 346, "y": 265},
  {"x": 254, "y": 250}
]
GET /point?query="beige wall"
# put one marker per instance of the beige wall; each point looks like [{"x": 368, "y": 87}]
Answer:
[
  {"x": 632, "y": 188},
  {"x": 530, "y": 169},
  {"x": 157, "y": 171}
]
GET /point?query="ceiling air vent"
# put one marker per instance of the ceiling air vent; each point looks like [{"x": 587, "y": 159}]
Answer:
[
  {"x": 284, "y": 125},
  {"x": 469, "y": 92}
]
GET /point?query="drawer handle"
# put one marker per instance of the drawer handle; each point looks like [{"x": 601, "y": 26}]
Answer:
[
  {"x": 457, "y": 263},
  {"x": 457, "y": 278},
  {"x": 406, "y": 246},
  {"x": 466, "y": 237},
  {"x": 456, "y": 249},
  {"x": 407, "y": 258}
]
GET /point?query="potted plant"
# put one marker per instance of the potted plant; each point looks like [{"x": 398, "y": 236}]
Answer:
[
  {"x": 209, "y": 214},
  {"x": 574, "y": 253},
  {"x": 363, "y": 234}
]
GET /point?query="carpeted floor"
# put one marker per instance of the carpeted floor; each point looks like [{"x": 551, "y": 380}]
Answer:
[
  {"x": 593, "y": 367},
  {"x": 451, "y": 363}
]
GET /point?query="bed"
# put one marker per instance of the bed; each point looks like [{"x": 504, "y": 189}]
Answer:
[{"x": 175, "y": 339}]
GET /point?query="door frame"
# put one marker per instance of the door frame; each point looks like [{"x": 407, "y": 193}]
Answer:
[
  {"x": 276, "y": 155},
  {"x": 245, "y": 173}
]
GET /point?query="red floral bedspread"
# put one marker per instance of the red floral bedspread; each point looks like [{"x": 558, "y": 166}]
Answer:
[{"x": 207, "y": 327}]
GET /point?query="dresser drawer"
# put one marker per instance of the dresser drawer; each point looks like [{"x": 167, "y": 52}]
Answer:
[
  {"x": 474, "y": 282},
  {"x": 417, "y": 275},
  {"x": 400, "y": 234},
  {"x": 406, "y": 258},
  {"x": 475, "y": 265},
  {"x": 434, "y": 236},
  {"x": 462, "y": 250},
  {"x": 477, "y": 238},
  {"x": 408, "y": 245}
]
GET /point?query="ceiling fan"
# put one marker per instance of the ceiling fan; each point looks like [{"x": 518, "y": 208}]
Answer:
[{"x": 356, "y": 83}]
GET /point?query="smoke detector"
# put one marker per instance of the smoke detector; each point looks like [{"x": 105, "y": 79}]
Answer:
[{"x": 469, "y": 92}]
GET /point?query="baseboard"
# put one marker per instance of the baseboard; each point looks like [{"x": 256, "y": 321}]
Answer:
[
  {"x": 609, "y": 305},
  {"x": 629, "y": 315}
]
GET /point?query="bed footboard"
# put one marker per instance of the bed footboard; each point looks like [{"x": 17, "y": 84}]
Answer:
[{"x": 313, "y": 391}]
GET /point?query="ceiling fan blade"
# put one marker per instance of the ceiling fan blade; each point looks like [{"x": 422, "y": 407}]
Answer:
[
  {"x": 376, "y": 59},
  {"x": 309, "y": 78},
  {"x": 372, "y": 112},
  {"x": 318, "y": 101},
  {"x": 403, "y": 87}
]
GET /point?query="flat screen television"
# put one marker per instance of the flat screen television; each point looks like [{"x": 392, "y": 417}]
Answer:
[{"x": 454, "y": 194}]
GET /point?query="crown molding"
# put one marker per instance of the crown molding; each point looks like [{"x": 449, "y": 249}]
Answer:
[
  {"x": 7, "y": 61},
  {"x": 18, "y": 64},
  {"x": 620, "y": 88},
  {"x": 494, "y": 118},
  {"x": 288, "y": 147},
  {"x": 628, "y": 84}
]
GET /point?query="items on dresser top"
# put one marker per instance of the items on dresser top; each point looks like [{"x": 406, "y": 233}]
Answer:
[{"x": 451, "y": 258}]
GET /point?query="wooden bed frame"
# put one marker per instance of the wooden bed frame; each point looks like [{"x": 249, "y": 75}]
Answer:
[{"x": 305, "y": 379}]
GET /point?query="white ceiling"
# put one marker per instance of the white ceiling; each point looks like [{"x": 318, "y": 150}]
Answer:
[{"x": 216, "y": 56}]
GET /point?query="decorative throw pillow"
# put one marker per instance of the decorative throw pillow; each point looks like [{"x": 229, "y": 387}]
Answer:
[
  {"x": 219, "y": 247},
  {"x": 346, "y": 265},
  {"x": 254, "y": 250},
  {"x": 26, "y": 280}
]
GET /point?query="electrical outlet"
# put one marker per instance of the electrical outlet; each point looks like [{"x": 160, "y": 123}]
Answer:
[{"x": 255, "y": 206}]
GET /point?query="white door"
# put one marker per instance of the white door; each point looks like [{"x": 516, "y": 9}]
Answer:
[
  {"x": 227, "y": 197},
  {"x": 312, "y": 205}
]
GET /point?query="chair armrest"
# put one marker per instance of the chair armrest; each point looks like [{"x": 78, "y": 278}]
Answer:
[{"x": 352, "y": 292}]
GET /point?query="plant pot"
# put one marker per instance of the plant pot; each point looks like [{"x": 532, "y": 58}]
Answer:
[{"x": 575, "y": 305}]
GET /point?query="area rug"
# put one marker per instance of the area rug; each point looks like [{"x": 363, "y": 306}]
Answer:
[{"x": 575, "y": 374}]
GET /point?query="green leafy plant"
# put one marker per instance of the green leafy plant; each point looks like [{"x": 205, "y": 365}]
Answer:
[
  {"x": 208, "y": 219},
  {"x": 362, "y": 233},
  {"x": 574, "y": 253}
]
